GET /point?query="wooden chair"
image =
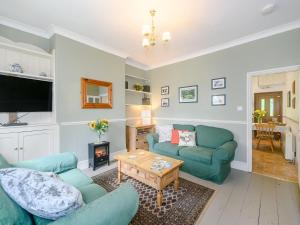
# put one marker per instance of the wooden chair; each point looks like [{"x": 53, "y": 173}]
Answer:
[{"x": 265, "y": 131}]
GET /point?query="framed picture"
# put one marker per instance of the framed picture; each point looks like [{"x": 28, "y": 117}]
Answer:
[
  {"x": 294, "y": 103},
  {"x": 188, "y": 94},
  {"x": 217, "y": 100},
  {"x": 294, "y": 87},
  {"x": 164, "y": 102},
  {"x": 289, "y": 99},
  {"x": 164, "y": 90},
  {"x": 218, "y": 83}
]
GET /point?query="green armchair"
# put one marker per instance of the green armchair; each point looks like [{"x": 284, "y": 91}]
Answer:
[{"x": 101, "y": 208}]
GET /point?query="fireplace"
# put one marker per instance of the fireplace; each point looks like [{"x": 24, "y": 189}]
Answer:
[{"x": 98, "y": 154}]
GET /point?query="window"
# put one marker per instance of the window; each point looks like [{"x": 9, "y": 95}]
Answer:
[
  {"x": 263, "y": 104},
  {"x": 271, "y": 107}
]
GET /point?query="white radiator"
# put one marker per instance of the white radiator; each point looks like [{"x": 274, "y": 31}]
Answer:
[{"x": 289, "y": 148}]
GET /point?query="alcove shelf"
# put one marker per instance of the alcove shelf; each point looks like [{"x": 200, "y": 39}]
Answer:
[{"x": 134, "y": 97}]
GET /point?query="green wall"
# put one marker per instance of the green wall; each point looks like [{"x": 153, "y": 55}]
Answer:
[
  {"x": 233, "y": 63},
  {"x": 73, "y": 61}
]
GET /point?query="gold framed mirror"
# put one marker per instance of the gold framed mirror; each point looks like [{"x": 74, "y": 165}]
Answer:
[{"x": 96, "y": 94}]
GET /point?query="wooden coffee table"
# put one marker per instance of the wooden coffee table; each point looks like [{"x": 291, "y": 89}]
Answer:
[{"x": 137, "y": 164}]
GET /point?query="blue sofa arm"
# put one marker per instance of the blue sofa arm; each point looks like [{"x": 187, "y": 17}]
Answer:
[
  {"x": 54, "y": 163},
  {"x": 152, "y": 140},
  {"x": 115, "y": 208},
  {"x": 226, "y": 151}
]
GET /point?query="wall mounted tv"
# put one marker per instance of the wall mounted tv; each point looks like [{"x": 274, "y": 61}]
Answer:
[{"x": 24, "y": 95}]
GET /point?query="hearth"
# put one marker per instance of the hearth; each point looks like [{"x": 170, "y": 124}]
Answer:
[{"x": 98, "y": 154}]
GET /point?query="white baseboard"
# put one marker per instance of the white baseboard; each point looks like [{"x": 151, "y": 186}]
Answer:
[
  {"x": 239, "y": 165},
  {"x": 84, "y": 164}
]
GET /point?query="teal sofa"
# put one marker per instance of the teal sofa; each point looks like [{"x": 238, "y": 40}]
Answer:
[
  {"x": 209, "y": 160},
  {"x": 101, "y": 208}
]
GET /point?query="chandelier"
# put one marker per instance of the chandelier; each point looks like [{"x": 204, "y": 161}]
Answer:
[{"x": 150, "y": 35}]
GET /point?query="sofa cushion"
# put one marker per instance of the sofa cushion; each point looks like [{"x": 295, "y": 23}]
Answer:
[
  {"x": 212, "y": 137},
  {"x": 164, "y": 132},
  {"x": 167, "y": 148},
  {"x": 76, "y": 178},
  {"x": 91, "y": 192},
  {"x": 184, "y": 127},
  {"x": 3, "y": 162},
  {"x": 187, "y": 138},
  {"x": 11, "y": 212},
  {"x": 196, "y": 153},
  {"x": 57, "y": 163},
  {"x": 41, "y": 221}
]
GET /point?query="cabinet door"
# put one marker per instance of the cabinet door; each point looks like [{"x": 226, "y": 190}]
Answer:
[
  {"x": 9, "y": 147},
  {"x": 36, "y": 144}
]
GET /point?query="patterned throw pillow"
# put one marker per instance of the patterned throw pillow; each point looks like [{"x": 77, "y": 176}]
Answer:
[
  {"x": 164, "y": 132},
  {"x": 175, "y": 136},
  {"x": 186, "y": 138},
  {"x": 40, "y": 193}
]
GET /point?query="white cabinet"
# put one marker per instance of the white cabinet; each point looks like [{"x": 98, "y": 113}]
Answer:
[
  {"x": 9, "y": 146},
  {"x": 35, "y": 144},
  {"x": 27, "y": 144}
]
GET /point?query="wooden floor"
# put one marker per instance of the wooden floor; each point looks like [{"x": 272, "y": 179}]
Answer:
[
  {"x": 251, "y": 199},
  {"x": 273, "y": 164},
  {"x": 247, "y": 199}
]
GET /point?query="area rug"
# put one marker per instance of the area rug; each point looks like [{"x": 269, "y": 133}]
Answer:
[{"x": 182, "y": 207}]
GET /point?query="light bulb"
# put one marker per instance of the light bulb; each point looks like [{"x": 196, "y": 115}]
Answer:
[
  {"x": 166, "y": 36},
  {"x": 146, "y": 30},
  {"x": 146, "y": 42}
]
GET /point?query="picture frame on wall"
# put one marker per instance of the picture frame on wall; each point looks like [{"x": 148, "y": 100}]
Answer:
[
  {"x": 218, "y": 100},
  {"x": 294, "y": 87},
  {"x": 289, "y": 99},
  {"x": 294, "y": 103},
  {"x": 164, "y": 102},
  {"x": 164, "y": 90},
  {"x": 188, "y": 94},
  {"x": 218, "y": 83}
]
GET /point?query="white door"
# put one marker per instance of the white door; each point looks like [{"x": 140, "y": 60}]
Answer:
[
  {"x": 36, "y": 144},
  {"x": 9, "y": 148}
]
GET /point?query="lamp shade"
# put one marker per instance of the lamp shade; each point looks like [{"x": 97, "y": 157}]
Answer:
[
  {"x": 146, "y": 30},
  {"x": 166, "y": 36},
  {"x": 146, "y": 42}
]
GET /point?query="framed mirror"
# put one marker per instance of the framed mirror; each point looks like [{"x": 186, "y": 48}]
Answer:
[{"x": 96, "y": 94}]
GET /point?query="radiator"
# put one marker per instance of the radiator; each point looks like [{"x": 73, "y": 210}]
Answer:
[{"x": 290, "y": 147}]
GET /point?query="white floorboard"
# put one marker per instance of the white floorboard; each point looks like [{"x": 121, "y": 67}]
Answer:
[{"x": 245, "y": 199}]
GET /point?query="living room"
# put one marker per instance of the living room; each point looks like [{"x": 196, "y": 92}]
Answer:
[{"x": 142, "y": 110}]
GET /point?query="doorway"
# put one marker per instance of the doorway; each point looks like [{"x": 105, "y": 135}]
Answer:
[{"x": 269, "y": 92}]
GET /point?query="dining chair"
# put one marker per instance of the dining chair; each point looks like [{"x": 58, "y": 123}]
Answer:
[{"x": 265, "y": 131}]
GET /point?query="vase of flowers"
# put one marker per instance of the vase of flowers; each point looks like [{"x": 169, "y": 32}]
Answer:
[
  {"x": 100, "y": 127},
  {"x": 259, "y": 115}
]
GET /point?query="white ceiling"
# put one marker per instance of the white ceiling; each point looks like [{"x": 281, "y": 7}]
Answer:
[{"x": 115, "y": 25}]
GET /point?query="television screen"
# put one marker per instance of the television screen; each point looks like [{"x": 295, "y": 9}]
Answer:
[{"x": 24, "y": 95}]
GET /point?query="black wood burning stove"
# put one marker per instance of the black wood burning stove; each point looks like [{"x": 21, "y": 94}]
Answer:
[{"x": 98, "y": 154}]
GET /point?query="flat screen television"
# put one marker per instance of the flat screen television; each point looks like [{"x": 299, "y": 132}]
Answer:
[{"x": 24, "y": 95}]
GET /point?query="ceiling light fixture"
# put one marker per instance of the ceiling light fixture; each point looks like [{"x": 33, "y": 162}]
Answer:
[{"x": 150, "y": 35}]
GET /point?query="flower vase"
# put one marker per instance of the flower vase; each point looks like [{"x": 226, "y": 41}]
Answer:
[
  {"x": 99, "y": 138},
  {"x": 259, "y": 120}
]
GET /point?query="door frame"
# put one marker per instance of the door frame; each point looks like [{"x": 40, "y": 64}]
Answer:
[{"x": 250, "y": 75}]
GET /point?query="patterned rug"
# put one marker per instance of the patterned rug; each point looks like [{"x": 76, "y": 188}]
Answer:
[{"x": 182, "y": 207}]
